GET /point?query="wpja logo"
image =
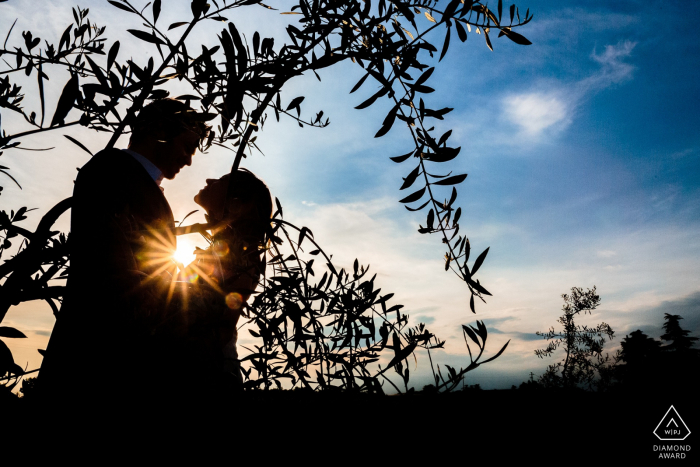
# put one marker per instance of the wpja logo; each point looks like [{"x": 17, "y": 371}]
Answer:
[{"x": 672, "y": 428}]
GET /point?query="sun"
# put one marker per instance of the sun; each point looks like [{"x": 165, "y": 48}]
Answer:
[{"x": 184, "y": 254}]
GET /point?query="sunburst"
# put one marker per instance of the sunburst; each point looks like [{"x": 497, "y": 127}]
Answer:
[{"x": 184, "y": 254}]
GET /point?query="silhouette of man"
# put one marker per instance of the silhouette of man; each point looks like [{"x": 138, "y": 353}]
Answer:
[{"x": 121, "y": 257}]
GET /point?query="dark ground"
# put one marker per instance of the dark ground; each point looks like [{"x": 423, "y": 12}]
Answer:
[{"x": 534, "y": 427}]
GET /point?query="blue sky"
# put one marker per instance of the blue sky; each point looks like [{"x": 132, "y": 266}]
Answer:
[{"x": 582, "y": 152}]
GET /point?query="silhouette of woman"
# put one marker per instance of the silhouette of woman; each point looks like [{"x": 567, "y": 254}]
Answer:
[{"x": 228, "y": 271}]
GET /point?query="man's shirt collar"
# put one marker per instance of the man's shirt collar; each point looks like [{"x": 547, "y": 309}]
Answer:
[{"x": 150, "y": 167}]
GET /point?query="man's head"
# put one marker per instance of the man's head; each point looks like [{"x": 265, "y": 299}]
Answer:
[{"x": 168, "y": 132}]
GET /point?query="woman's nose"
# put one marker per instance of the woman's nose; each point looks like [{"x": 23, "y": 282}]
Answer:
[{"x": 209, "y": 181}]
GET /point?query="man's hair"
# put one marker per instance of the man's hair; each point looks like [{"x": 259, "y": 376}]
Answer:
[{"x": 169, "y": 117}]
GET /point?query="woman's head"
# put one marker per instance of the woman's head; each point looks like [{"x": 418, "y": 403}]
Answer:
[{"x": 250, "y": 205}]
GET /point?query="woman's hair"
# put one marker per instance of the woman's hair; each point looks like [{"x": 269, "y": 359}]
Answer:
[
  {"x": 247, "y": 189},
  {"x": 169, "y": 116}
]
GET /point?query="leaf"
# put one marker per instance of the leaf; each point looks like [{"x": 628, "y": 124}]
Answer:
[
  {"x": 295, "y": 103},
  {"x": 79, "y": 144},
  {"x": 488, "y": 41},
  {"x": 498, "y": 354},
  {"x": 408, "y": 181},
  {"x": 445, "y": 136},
  {"x": 482, "y": 330},
  {"x": 388, "y": 121},
  {"x": 451, "y": 8},
  {"x": 359, "y": 83},
  {"x": 371, "y": 100},
  {"x": 471, "y": 303},
  {"x": 256, "y": 42},
  {"x": 418, "y": 208},
  {"x": 11, "y": 177},
  {"x": 11, "y": 332},
  {"x": 479, "y": 261},
  {"x": 424, "y": 77},
  {"x": 480, "y": 288},
  {"x": 399, "y": 159},
  {"x": 424, "y": 89},
  {"x": 453, "y": 197},
  {"x": 121, "y": 6},
  {"x": 65, "y": 38},
  {"x": 242, "y": 58},
  {"x": 471, "y": 334},
  {"x": 65, "y": 103},
  {"x": 156, "y": 11},
  {"x": 305, "y": 232},
  {"x": 98, "y": 73},
  {"x": 445, "y": 154},
  {"x": 177, "y": 25},
  {"x": 188, "y": 215},
  {"x": 461, "y": 33},
  {"x": 446, "y": 45},
  {"x": 431, "y": 219},
  {"x": 454, "y": 180},
  {"x": 279, "y": 206},
  {"x": 413, "y": 196},
  {"x": 458, "y": 214},
  {"x": 517, "y": 38},
  {"x": 112, "y": 55},
  {"x": 430, "y": 18},
  {"x": 40, "y": 81},
  {"x": 146, "y": 36}
]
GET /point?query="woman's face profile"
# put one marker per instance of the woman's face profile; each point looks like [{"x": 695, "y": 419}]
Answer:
[{"x": 212, "y": 196}]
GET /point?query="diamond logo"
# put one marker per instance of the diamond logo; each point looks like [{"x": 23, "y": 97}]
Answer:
[{"x": 671, "y": 427}]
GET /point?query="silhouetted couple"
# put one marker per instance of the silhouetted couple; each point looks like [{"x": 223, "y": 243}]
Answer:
[{"x": 133, "y": 326}]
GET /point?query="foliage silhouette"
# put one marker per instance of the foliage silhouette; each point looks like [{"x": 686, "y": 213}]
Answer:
[
  {"x": 679, "y": 358},
  {"x": 639, "y": 358},
  {"x": 238, "y": 84},
  {"x": 583, "y": 346},
  {"x": 678, "y": 339}
]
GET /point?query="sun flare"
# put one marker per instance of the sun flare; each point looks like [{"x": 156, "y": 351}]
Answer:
[{"x": 184, "y": 254}]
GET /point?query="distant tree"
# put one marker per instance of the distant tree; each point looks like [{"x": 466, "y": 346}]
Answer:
[
  {"x": 583, "y": 346},
  {"x": 531, "y": 384},
  {"x": 639, "y": 359},
  {"x": 678, "y": 359},
  {"x": 677, "y": 337}
]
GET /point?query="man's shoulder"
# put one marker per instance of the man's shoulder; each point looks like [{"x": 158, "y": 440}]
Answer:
[
  {"x": 112, "y": 165},
  {"x": 111, "y": 158}
]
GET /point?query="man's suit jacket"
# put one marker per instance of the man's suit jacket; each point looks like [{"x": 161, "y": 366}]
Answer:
[{"x": 117, "y": 261}]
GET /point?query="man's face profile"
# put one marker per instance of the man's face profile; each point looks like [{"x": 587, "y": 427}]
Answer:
[{"x": 177, "y": 153}]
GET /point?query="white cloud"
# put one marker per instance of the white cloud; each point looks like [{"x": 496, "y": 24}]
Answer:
[
  {"x": 613, "y": 70},
  {"x": 551, "y": 107},
  {"x": 536, "y": 112}
]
